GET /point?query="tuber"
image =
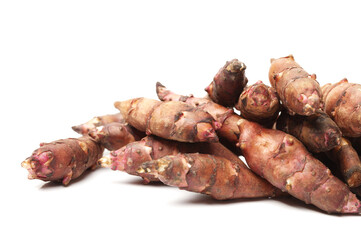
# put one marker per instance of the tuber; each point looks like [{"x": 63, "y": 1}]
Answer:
[
  {"x": 98, "y": 121},
  {"x": 348, "y": 162},
  {"x": 299, "y": 92},
  {"x": 228, "y": 83},
  {"x": 63, "y": 160},
  {"x": 259, "y": 103},
  {"x": 283, "y": 161},
  {"x": 317, "y": 132},
  {"x": 171, "y": 120},
  {"x": 343, "y": 104},
  {"x": 115, "y": 135},
  {"x": 212, "y": 175}
]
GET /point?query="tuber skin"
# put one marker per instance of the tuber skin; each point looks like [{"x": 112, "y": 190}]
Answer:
[
  {"x": 283, "y": 161},
  {"x": 342, "y": 102},
  {"x": 226, "y": 117},
  {"x": 63, "y": 160},
  {"x": 216, "y": 176},
  {"x": 228, "y": 83},
  {"x": 171, "y": 120},
  {"x": 299, "y": 91},
  {"x": 130, "y": 157},
  {"x": 348, "y": 162},
  {"x": 98, "y": 121},
  {"x": 259, "y": 103},
  {"x": 317, "y": 132},
  {"x": 115, "y": 135}
]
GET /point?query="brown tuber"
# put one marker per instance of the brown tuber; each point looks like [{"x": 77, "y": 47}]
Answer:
[
  {"x": 343, "y": 104},
  {"x": 98, "y": 121},
  {"x": 63, "y": 160},
  {"x": 317, "y": 132},
  {"x": 299, "y": 91},
  {"x": 259, "y": 103},
  {"x": 216, "y": 176},
  {"x": 228, "y": 83},
  {"x": 171, "y": 120}
]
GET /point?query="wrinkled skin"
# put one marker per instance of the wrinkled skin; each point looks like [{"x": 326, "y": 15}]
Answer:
[
  {"x": 259, "y": 103},
  {"x": 228, "y": 83},
  {"x": 342, "y": 102},
  {"x": 299, "y": 91},
  {"x": 171, "y": 120},
  {"x": 317, "y": 132},
  {"x": 85, "y": 128},
  {"x": 348, "y": 162},
  {"x": 228, "y": 132},
  {"x": 63, "y": 160},
  {"x": 283, "y": 161},
  {"x": 216, "y": 176},
  {"x": 115, "y": 135}
]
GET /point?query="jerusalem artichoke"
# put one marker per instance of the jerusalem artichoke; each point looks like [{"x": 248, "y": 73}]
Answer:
[
  {"x": 228, "y": 83},
  {"x": 171, "y": 120},
  {"x": 299, "y": 92},
  {"x": 63, "y": 160},
  {"x": 284, "y": 162},
  {"x": 343, "y": 104},
  {"x": 317, "y": 132},
  {"x": 98, "y": 121},
  {"x": 213, "y": 175},
  {"x": 259, "y": 103}
]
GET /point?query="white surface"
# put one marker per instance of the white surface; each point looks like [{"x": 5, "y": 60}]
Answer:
[{"x": 63, "y": 62}]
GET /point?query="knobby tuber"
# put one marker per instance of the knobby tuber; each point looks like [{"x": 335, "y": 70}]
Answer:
[
  {"x": 225, "y": 116},
  {"x": 115, "y": 135},
  {"x": 342, "y": 102},
  {"x": 283, "y": 161},
  {"x": 98, "y": 121},
  {"x": 317, "y": 132},
  {"x": 228, "y": 83},
  {"x": 171, "y": 120},
  {"x": 213, "y": 175},
  {"x": 348, "y": 162},
  {"x": 259, "y": 103},
  {"x": 63, "y": 160},
  {"x": 299, "y": 91},
  {"x": 130, "y": 157}
]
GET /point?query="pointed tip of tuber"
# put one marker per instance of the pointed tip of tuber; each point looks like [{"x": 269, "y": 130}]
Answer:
[
  {"x": 352, "y": 206},
  {"x": 77, "y": 129},
  {"x": 124, "y": 106}
]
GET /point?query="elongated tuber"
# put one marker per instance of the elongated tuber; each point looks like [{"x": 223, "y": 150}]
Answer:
[
  {"x": 63, "y": 160},
  {"x": 228, "y": 83},
  {"x": 98, "y": 121},
  {"x": 348, "y": 162},
  {"x": 299, "y": 91},
  {"x": 130, "y": 157},
  {"x": 259, "y": 103},
  {"x": 343, "y": 104},
  {"x": 171, "y": 120},
  {"x": 115, "y": 135},
  {"x": 225, "y": 116},
  {"x": 284, "y": 162},
  {"x": 208, "y": 174},
  {"x": 317, "y": 132}
]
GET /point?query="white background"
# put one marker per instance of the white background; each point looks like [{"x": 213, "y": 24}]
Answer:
[{"x": 64, "y": 62}]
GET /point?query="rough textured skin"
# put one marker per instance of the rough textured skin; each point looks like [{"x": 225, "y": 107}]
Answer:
[
  {"x": 299, "y": 91},
  {"x": 63, "y": 160},
  {"x": 259, "y": 103},
  {"x": 284, "y": 162},
  {"x": 98, "y": 121},
  {"x": 115, "y": 135},
  {"x": 130, "y": 158},
  {"x": 226, "y": 117},
  {"x": 213, "y": 175},
  {"x": 348, "y": 162},
  {"x": 343, "y": 104},
  {"x": 317, "y": 132},
  {"x": 228, "y": 83},
  {"x": 171, "y": 120}
]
